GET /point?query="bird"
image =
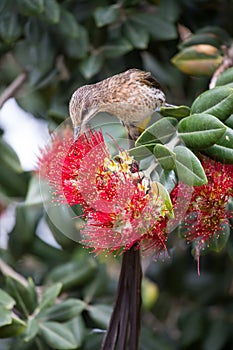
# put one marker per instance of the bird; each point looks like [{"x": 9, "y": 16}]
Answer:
[{"x": 131, "y": 96}]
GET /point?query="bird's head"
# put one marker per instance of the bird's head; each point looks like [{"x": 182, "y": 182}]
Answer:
[{"x": 82, "y": 108}]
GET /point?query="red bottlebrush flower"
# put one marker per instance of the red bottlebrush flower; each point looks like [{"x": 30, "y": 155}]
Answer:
[
  {"x": 120, "y": 205},
  {"x": 207, "y": 211}
]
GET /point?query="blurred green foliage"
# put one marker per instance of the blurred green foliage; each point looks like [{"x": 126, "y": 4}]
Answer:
[{"x": 61, "y": 298}]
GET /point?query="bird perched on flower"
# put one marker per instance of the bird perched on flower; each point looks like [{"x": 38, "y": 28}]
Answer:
[{"x": 132, "y": 96}]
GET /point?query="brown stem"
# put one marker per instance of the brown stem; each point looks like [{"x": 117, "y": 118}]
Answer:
[
  {"x": 124, "y": 327},
  {"x": 226, "y": 63},
  {"x": 11, "y": 90}
]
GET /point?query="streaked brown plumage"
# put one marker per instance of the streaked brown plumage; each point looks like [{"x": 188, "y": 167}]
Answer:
[{"x": 131, "y": 96}]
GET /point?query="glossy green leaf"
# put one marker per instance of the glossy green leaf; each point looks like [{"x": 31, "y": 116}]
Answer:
[
  {"x": 160, "y": 132},
  {"x": 201, "y": 38},
  {"x": 220, "y": 238},
  {"x": 65, "y": 310},
  {"x": 33, "y": 196},
  {"x": 175, "y": 111},
  {"x": 158, "y": 28},
  {"x": 215, "y": 31},
  {"x": 136, "y": 34},
  {"x": 68, "y": 25},
  {"x": 74, "y": 273},
  {"x": 8, "y": 157},
  {"x": 23, "y": 232},
  {"x": 6, "y": 300},
  {"x": 163, "y": 193},
  {"x": 77, "y": 327},
  {"x": 50, "y": 295},
  {"x": 188, "y": 167},
  {"x": 10, "y": 29},
  {"x": 142, "y": 151},
  {"x": 165, "y": 156},
  {"x": 225, "y": 78},
  {"x": 198, "y": 60},
  {"x": 77, "y": 47},
  {"x": 168, "y": 179},
  {"x": 30, "y": 7},
  {"x": 200, "y": 131},
  {"x": 57, "y": 336},
  {"x": 32, "y": 329},
  {"x": 217, "y": 101},
  {"x": 23, "y": 293},
  {"x": 14, "y": 328},
  {"x": 169, "y": 10},
  {"x": 223, "y": 149},
  {"x": 5, "y": 316},
  {"x": 100, "y": 314},
  {"x": 116, "y": 48},
  {"x": 229, "y": 121},
  {"x": 218, "y": 333},
  {"x": 51, "y": 11},
  {"x": 91, "y": 66},
  {"x": 106, "y": 15}
]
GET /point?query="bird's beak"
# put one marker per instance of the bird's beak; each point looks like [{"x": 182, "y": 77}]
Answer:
[
  {"x": 76, "y": 132},
  {"x": 167, "y": 105}
]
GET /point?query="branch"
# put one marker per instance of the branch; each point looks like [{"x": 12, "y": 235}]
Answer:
[
  {"x": 227, "y": 63},
  {"x": 11, "y": 90}
]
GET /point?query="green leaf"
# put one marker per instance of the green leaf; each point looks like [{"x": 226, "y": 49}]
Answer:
[
  {"x": 14, "y": 328},
  {"x": 33, "y": 196},
  {"x": 156, "y": 26},
  {"x": 8, "y": 157},
  {"x": 32, "y": 329},
  {"x": 51, "y": 11},
  {"x": 77, "y": 327},
  {"x": 50, "y": 295},
  {"x": 65, "y": 310},
  {"x": 117, "y": 48},
  {"x": 23, "y": 293},
  {"x": 168, "y": 179},
  {"x": 78, "y": 47},
  {"x": 198, "y": 60},
  {"x": 229, "y": 121},
  {"x": 68, "y": 25},
  {"x": 169, "y": 10},
  {"x": 143, "y": 151},
  {"x": 175, "y": 111},
  {"x": 217, "y": 101},
  {"x": 217, "y": 334},
  {"x": 100, "y": 314},
  {"x": 5, "y": 316},
  {"x": 30, "y": 7},
  {"x": 91, "y": 66},
  {"x": 200, "y": 131},
  {"x": 23, "y": 232},
  {"x": 160, "y": 132},
  {"x": 191, "y": 326},
  {"x": 165, "y": 156},
  {"x": 57, "y": 336},
  {"x": 163, "y": 193},
  {"x": 188, "y": 167},
  {"x": 106, "y": 15},
  {"x": 6, "y": 300},
  {"x": 10, "y": 29},
  {"x": 223, "y": 149},
  {"x": 201, "y": 38},
  {"x": 136, "y": 34},
  {"x": 225, "y": 78},
  {"x": 220, "y": 238},
  {"x": 74, "y": 273}
]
